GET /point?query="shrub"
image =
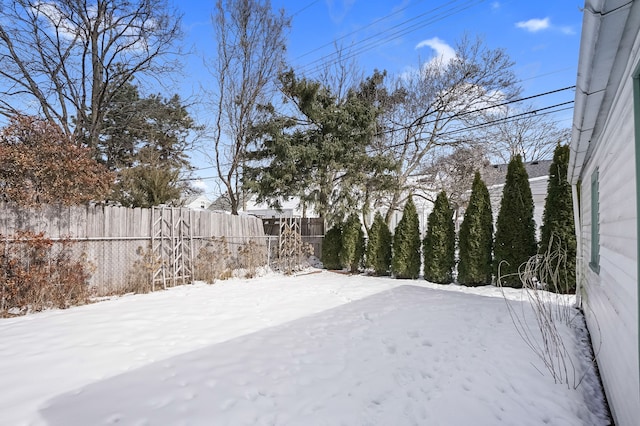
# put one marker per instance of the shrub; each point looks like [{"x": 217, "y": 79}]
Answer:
[
  {"x": 140, "y": 276},
  {"x": 475, "y": 240},
  {"x": 515, "y": 241},
  {"x": 439, "y": 245},
  {"x": 405, "y": 262},
  {"x": 558, "y": 232},
  {"x": 213, "y": 261},
  {"x": 251, "y": 256},
  {"x": 38, "y": 273},
  {"x": 352, "y": 250},
  {"x": 378, "y": 256},
  {"x": 331, "y": 247}
]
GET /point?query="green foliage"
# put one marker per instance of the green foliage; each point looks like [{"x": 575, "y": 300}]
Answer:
[
  {"x": 515, "y": 241},
  {"x": 405, "y": 262},
  {"x": 145, "y": 141},
  {"x": 439, "y": 246},
  {"x": 331, "y": 248},
  {"x": 378, "y": 254},
  {"x": 475, "y": 240},
  {"x": 320, "y": 156},
  {"x": 352, "y": 250},
  {"x": 558, "y": 230}
]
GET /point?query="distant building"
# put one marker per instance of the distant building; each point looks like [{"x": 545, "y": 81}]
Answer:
[{"x": 198, "y": 202}]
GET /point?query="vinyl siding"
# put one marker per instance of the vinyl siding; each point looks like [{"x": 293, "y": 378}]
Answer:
[{"x": 610, "y": 296}]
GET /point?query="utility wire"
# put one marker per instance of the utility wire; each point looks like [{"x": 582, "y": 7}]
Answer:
[
  {"x": 550, "y": 92},
  {"x": 334, "y": 41},
  {"x": 304, "y": 8},
  {"x": 370, "y": 43},
  {"x": 538, "y": 112},
  {"x": 481, "y": 109}
]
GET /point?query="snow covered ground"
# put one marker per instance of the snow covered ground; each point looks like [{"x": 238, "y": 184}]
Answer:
[{"x": 315, "y": 349}]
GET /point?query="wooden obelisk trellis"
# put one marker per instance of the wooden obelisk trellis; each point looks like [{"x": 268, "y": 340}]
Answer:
[
  {"x": 172, "y": 246},
  {"x": 289, "y": 243}
]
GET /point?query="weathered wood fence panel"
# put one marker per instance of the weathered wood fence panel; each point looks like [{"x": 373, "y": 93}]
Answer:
[
  {"x": 311, "y": 231},
  {"x": 113, "y": 238}
]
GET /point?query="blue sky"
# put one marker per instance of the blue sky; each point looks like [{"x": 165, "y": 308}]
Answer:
[{"x": 542, "y": 37}]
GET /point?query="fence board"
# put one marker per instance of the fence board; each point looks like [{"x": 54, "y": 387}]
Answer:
[{"x": 110, "y": 236}]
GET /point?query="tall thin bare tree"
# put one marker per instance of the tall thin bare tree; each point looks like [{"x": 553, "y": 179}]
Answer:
[
  {"x": 251, "y": 42},
  {"x": 67, "y": 58}
]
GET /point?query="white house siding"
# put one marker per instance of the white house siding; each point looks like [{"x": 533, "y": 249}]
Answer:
[{"x": 610, "y": 296}]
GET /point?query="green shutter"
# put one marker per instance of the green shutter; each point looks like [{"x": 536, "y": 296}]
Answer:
[{"x": 595, "y": 223}]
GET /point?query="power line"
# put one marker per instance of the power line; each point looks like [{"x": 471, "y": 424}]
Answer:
[
  {"x": 482, "y": 109},
  {"x": 369, "y": 43},
  {"x": 304, "y": 8},
  {"x": 494, "y": 122},
  {"x": 537, "y": 112},
  {"x": 358, "y": 30},
  {"x": 504, "y": 119}
]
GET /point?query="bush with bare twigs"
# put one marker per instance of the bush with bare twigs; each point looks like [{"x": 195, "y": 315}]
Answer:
[
  {"x": 549, "y": 310},
  {"x": 213, "y": 261},
  {"x": 38, "y": 273}
]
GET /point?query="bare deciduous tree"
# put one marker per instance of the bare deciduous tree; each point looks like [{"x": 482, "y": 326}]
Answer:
[
  {"x": 534, "y": 137},
  {"x": 454, "y": 174},
  {"x": 251, "y": 46},
  {"x": 67, "y": 58},
  {"x": 435, "y": 105}
]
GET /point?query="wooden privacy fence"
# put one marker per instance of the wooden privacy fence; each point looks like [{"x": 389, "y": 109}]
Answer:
[
  {"x": 310, "y": 229},
  {"x": 161, "y": 242}
]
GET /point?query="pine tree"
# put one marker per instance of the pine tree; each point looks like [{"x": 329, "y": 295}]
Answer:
[
  {"x": 405, "y": 261},
  {"x": 352, "y": 250},
  {"x": 475, "y": 239},
  {"x": 515, "y": 241},
  {"x": 439, "y": 246},
  {"x": 331, "y": 247},
  {"x": 379, "y": 246},
  {"x": 558, "y": 231}
]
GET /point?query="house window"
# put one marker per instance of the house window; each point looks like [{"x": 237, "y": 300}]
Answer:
[{"x": 594, "y": 263}]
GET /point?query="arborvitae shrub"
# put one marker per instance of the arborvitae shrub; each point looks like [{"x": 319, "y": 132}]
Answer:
[
  {"x": 352, "y": 250},
  {"x": 475, "y": 239},
  {"x": 515, "y": 241},
  {"x": 439, "y": 245},
  {"x": 405, "y": 261},
  {"x": 379, "y": 246},
  {"x": 331, "y": 246},
  {"x": 558, "y": 240}
]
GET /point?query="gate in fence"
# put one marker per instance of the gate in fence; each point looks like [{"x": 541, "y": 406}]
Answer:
[{"x": 171, "y": 246}]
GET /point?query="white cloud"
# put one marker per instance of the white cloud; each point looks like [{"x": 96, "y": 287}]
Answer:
[
  {"x": 495, "y": 5},
  {"x": 534, "y": 25},
  {"x": 200, "y": 184},
  {"x": 444, "y": 52}
]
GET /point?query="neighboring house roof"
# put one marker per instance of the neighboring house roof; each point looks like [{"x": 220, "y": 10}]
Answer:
[
  {"x": 535, "y": 169},
  {"x": 197, "y": 201}
]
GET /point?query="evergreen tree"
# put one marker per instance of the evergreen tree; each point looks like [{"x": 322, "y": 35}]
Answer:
[
  {"x": 475, "y": 240},
  {"x": 439, "y": 247},
  {"x": 352, "y": 250},
  {"x": 405, "y": 262},
  {"x": 145, "y": 141},
  {"x": 558, "y": 231},
  {"x": 321, "y": 156},
  {"x": 379, "y": 246},
  {"x": 331, "y": 247},
  {"x": 515, "y": 241}
]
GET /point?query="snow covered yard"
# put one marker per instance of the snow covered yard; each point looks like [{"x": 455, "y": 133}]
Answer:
[{"x": 318, "y": 349}]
